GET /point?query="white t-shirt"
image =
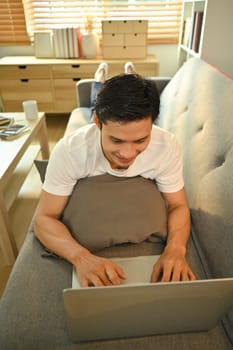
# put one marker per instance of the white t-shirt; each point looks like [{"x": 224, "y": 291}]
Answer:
[{"x": 79, "y": 155}]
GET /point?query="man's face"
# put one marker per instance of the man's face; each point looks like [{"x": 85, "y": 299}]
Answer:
[{"x": 122, "y": 143}]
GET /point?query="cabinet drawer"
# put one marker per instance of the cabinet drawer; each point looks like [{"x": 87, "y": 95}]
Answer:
[
  {"x": 61, "y": 71},
  {"x": 65, "y": 95},
  {"x": 109, "y": 26},
  {"x": 25, "y": 72},
  {"x": 131, "y": 26},
  {"x": 140, "y": 26},
  {"x": 135, "y": 39},
  {"x": 148, "y": 70},
  {"x": 14, "y": 92},
  {"x": 113, "y": 39},
  {"x": 125, "y": 52}
]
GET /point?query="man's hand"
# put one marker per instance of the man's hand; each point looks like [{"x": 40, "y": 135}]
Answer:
[
  {"x": 96, "y": 271},
  {"x": 172, "y": 266}
]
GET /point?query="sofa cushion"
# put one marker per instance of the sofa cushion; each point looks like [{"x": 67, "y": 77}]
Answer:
[
  {"x": 201, "y": 119},
  {"x": 32, "y": 314},
  {"x": 197, "y": 106},
  {"x": 41, "y": 166},
  {"x": 106, "y": 210},
  {"x": 78, "y": 118}
]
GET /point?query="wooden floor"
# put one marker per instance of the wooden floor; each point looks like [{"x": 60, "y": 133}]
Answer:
[{"x": 24, "y": 206}]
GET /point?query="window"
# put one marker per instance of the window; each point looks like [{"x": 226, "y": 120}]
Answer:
[
  {"x": 12, "y": 23},
  {"x": 163, "y": 15}
]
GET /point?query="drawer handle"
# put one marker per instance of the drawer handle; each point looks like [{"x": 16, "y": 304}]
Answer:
[
  {"x": 75, "y": 65},
  {"x": 24, "y": 80},
  {"x": 22, "y": 67},
  {"x": 75, "y": 79}
]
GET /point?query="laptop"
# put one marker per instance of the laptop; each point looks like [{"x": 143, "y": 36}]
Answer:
[{"x": 140, "y": 308}]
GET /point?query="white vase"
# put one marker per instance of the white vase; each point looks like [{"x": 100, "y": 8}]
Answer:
[{"x": 90, "y": 44}]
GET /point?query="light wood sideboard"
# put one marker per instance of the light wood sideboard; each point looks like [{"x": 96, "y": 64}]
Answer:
[
  {"x": 13, "y": 172},
  {"x": 52, "y": 81}
]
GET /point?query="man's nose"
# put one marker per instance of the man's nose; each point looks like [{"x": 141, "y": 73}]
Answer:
[{"x": 128, "y": 151}]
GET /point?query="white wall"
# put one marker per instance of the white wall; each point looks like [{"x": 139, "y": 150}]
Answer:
[{"x": 166, "y": 54}]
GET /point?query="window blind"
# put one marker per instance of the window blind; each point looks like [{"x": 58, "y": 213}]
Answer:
[
  {"x": 163, "y": 16},
  {"x": 12, "y": 23}
]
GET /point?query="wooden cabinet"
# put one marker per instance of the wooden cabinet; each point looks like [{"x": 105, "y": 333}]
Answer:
[
  {"x": 215, "y": 45},
  {"x": 124, "y": 39},
  {"x": 24, "y": 82},
  {"x": 52, "y": 82}
]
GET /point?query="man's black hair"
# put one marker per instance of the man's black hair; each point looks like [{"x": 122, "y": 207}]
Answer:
[{"x": 127, "y": 97}]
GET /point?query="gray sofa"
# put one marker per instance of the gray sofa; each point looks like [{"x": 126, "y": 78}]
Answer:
[{"x": 197, "y": 105}]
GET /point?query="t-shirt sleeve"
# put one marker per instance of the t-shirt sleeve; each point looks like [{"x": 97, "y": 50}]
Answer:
[
  {"x": 170, "y": 179},
  {"x": 60, "y": 175}
]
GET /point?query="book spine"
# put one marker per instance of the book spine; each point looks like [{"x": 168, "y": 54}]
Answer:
[{"x": 197, "y": 31}]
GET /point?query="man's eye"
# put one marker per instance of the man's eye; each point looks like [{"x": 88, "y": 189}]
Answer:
[
  {"x": 116, "y": 141},
  {"x": 140, "y": 141}
]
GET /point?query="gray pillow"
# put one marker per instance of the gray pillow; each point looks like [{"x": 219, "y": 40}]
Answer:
[
  {"x": 107, "y": 210},
  {"x": 41, "y": 166}
]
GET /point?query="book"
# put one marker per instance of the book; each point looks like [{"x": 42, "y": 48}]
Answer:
[
  {"x": 5, "y": 122},
  {"x": 75, "y": 42},
  {"x": 70, "y": 42},
  {"x": 197, "y": 30},
  {"x": 13, "y": 131},
  {"x": 192, "y": 30},
  {"x": 67, "y": 42},
  {"x": 186, "y": 31},
  {"x": 65, "y": 52}
]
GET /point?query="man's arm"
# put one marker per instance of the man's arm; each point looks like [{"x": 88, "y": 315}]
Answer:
[
  {"x": 49, "y": 229},
  {"x": 172, "y": 265}
]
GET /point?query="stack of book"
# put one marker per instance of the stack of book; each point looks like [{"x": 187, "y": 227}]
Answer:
[
  {"x": 5, "y": 122},
  {"x": 192, "y": 31},
  {"x": 67, "y": 42},
  {"x": 13, "y": 131}
]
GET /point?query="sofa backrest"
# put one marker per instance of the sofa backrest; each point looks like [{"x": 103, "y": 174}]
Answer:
[
  {"x": 197, "y": 106},
  {"x": 83, "y": 89}
]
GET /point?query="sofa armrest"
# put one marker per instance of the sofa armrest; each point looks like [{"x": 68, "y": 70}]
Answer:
[{"x": 83, "y": 91}]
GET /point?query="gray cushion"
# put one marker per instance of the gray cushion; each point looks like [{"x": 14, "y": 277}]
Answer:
[
  {"x": 203, "y": 124},
  {"x": 199, "y": 112},
  {"x": 107, "y": 210},
  {"x": 32, "y": 314},
  {"x": 41, "y": 166},
  {"x": 78, "y": 118}
]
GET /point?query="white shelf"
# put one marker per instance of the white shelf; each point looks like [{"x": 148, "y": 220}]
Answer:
[
  {"x": 189, "y": 51},
  {"x": 215, "y": 45}
]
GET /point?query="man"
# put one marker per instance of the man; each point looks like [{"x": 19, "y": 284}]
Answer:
[{"x": 122, "y": 141}]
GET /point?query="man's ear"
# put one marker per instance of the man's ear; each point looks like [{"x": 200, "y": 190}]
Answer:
[{"x": 96, "y": 120}]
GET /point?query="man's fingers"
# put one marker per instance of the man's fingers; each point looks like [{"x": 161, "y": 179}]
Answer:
[
  {"x": 95, "y": 280},
  {"x": 113, "y": 277},
  {"x": 169, "y": 272},
  {"x": 115, "y": 274},
  {"x": 192, "y": 277},
  {"x": 121, "y": 272},
  {"x": 156, "y": 274},
  {"x": 110, "y": 276}
]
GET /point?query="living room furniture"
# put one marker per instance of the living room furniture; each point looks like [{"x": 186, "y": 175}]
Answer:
[
  {"x": 215, "y": 46},
  {"x": 124, "y": 39},
  {"x": 197, "y": 106},
  {"x": 52, "y": 81},
  {"x": 12, "y": 172}
]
